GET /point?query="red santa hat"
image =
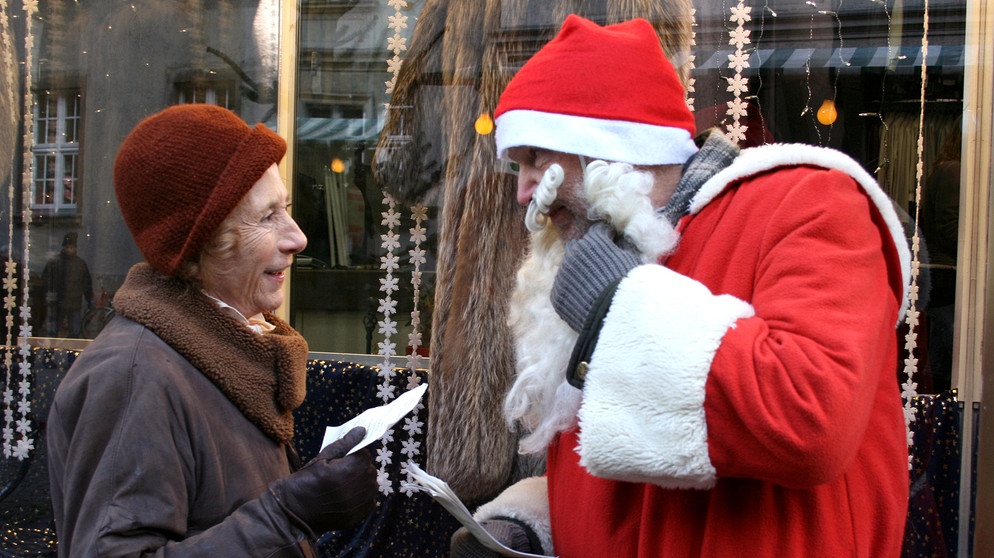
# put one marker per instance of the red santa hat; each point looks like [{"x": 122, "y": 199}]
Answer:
[{"x": 602, "y": 92}]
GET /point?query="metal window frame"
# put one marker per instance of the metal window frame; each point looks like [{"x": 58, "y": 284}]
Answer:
[{"x": 973, "y": 358}]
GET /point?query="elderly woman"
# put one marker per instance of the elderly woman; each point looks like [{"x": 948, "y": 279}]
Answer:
[{"x": 171, "y": 434}]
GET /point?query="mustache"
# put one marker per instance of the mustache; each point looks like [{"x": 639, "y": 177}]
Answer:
[{"x": 545, "y": 194}]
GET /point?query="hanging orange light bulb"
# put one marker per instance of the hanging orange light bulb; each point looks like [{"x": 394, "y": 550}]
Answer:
[
  {"x": 484, "y": 124},
  {"x": 827, "y": 113},
  {"x": 337, "y": 165}
]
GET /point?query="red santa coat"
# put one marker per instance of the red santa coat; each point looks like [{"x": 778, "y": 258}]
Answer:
[{"x": 742, "y": 399}]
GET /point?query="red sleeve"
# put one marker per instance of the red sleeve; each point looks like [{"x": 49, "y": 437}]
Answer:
[{"x": 790, "y": 390}]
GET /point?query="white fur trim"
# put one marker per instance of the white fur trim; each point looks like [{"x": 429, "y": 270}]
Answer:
[
  {"x": 755, "y": 160},
  {"x": 642, "y": 417},
  {"x": 526, "y": 500},
  {"x": 636, "y": 143}
]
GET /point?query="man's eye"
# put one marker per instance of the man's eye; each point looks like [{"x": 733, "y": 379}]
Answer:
[{"x": 515, "y": 167}]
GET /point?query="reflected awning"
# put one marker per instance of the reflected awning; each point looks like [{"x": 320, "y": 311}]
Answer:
[
  {"x": 336, "y": 129},
  {"x": 946, "y": 56}
]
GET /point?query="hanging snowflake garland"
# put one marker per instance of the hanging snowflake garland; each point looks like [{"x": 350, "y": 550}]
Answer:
[
  {"x": 17, "y": 429},
  {"x": 691, "y": 60},
  {"x": 418, "y": 257},
  {"x": 10, "y": 268},
  {"x": 397, "y": 43},
  {"x": 389, "y": 284},
  {"x": 737, "y": 61},
  {"x": 389, "y": 262},
  {"x": 909, "y": 387}
]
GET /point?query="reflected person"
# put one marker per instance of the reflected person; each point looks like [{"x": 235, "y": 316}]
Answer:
[{"x": 68, "y": 285}]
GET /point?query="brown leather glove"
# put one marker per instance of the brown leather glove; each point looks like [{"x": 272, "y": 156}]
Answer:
[
  {"x": 512, "y": 533},
  {"x": 333, "y": 490}
]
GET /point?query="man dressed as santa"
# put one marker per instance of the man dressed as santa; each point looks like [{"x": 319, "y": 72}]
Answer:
[{"x": 705, "y": 336}]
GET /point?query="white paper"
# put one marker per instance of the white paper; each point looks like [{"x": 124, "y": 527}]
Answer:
[
  {"x": 444, "y": 495},
  {"x": 378, "y": 419}
]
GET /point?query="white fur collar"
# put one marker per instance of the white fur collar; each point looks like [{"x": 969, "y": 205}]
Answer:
[{"x": 756, "y": 160}]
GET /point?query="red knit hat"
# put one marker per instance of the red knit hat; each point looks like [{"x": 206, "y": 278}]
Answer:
[
  {"x": 182, "y": 171},
  {"x": 602, "y": 92}
]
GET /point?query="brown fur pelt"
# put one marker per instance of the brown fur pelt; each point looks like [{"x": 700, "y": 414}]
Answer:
[{"x": 462, "y": 54}]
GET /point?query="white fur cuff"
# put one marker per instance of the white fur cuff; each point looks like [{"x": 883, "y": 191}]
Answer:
[
  {"x": 526, "y": 500},
  {"x": 642, "y": 417}
]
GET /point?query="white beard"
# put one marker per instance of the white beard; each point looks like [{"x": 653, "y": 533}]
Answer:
[{"x": 541, "y": 400}]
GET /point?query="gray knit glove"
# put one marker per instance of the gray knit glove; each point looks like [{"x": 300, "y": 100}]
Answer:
[
  {"x": 591, "y": 263},
  {"x": 512, "y": 533}
]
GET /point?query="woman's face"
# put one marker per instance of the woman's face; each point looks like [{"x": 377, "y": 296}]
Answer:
[{"x": 250, "y": 275}]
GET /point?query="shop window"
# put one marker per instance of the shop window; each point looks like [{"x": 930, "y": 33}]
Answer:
[
  {"x": 839, "y": 75},
  {"x": 57, "y": 184},
  {"x": 99, "y": 68}
]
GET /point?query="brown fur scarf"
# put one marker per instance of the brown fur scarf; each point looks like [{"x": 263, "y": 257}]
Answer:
[
  {"x": 263, "y": 375},
  {"x": 461, "y": 56}
]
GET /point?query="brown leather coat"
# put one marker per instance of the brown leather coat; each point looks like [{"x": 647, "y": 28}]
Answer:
[{"x": 167, "y": 430}]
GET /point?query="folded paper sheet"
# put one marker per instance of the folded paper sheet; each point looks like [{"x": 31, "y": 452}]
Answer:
[
  {"x": 444, "y": 495},
  {"x": 377, "y": 420}
]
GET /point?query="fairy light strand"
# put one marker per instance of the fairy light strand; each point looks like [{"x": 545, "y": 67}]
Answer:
[
  {"x": 807, "y": 74},
  {"x": 884, "y": 162}
]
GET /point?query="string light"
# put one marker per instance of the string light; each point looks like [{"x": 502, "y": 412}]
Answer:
[
  {"x": 484, "y": 124},
  {"x": 827, "y": 112}
]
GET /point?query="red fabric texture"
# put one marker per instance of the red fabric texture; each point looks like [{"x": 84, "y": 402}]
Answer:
[
  {"x": 804, "y": 417},
  {"x": 634, "y": 81}
]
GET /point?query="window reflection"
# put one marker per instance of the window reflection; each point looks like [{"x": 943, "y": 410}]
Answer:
[
  {"x": 341, "y": 109},
  {"x": 100, "y": 67},
  {"x": 56, "y": 149},
  {"x": 97, "y": 69},
  {"x": 940, "y": 223}
]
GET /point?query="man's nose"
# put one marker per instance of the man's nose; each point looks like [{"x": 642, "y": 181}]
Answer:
[{"x": 527, "y": 184}]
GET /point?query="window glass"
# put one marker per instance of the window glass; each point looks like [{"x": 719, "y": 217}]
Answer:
[
  {"x": 343, "y": 73},
  {"x": 845, "y": 75},
  {"x": 97, "y": 69}
]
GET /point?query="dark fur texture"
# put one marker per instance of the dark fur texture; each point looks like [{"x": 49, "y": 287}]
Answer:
[{"x": 461, "y": 56}]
